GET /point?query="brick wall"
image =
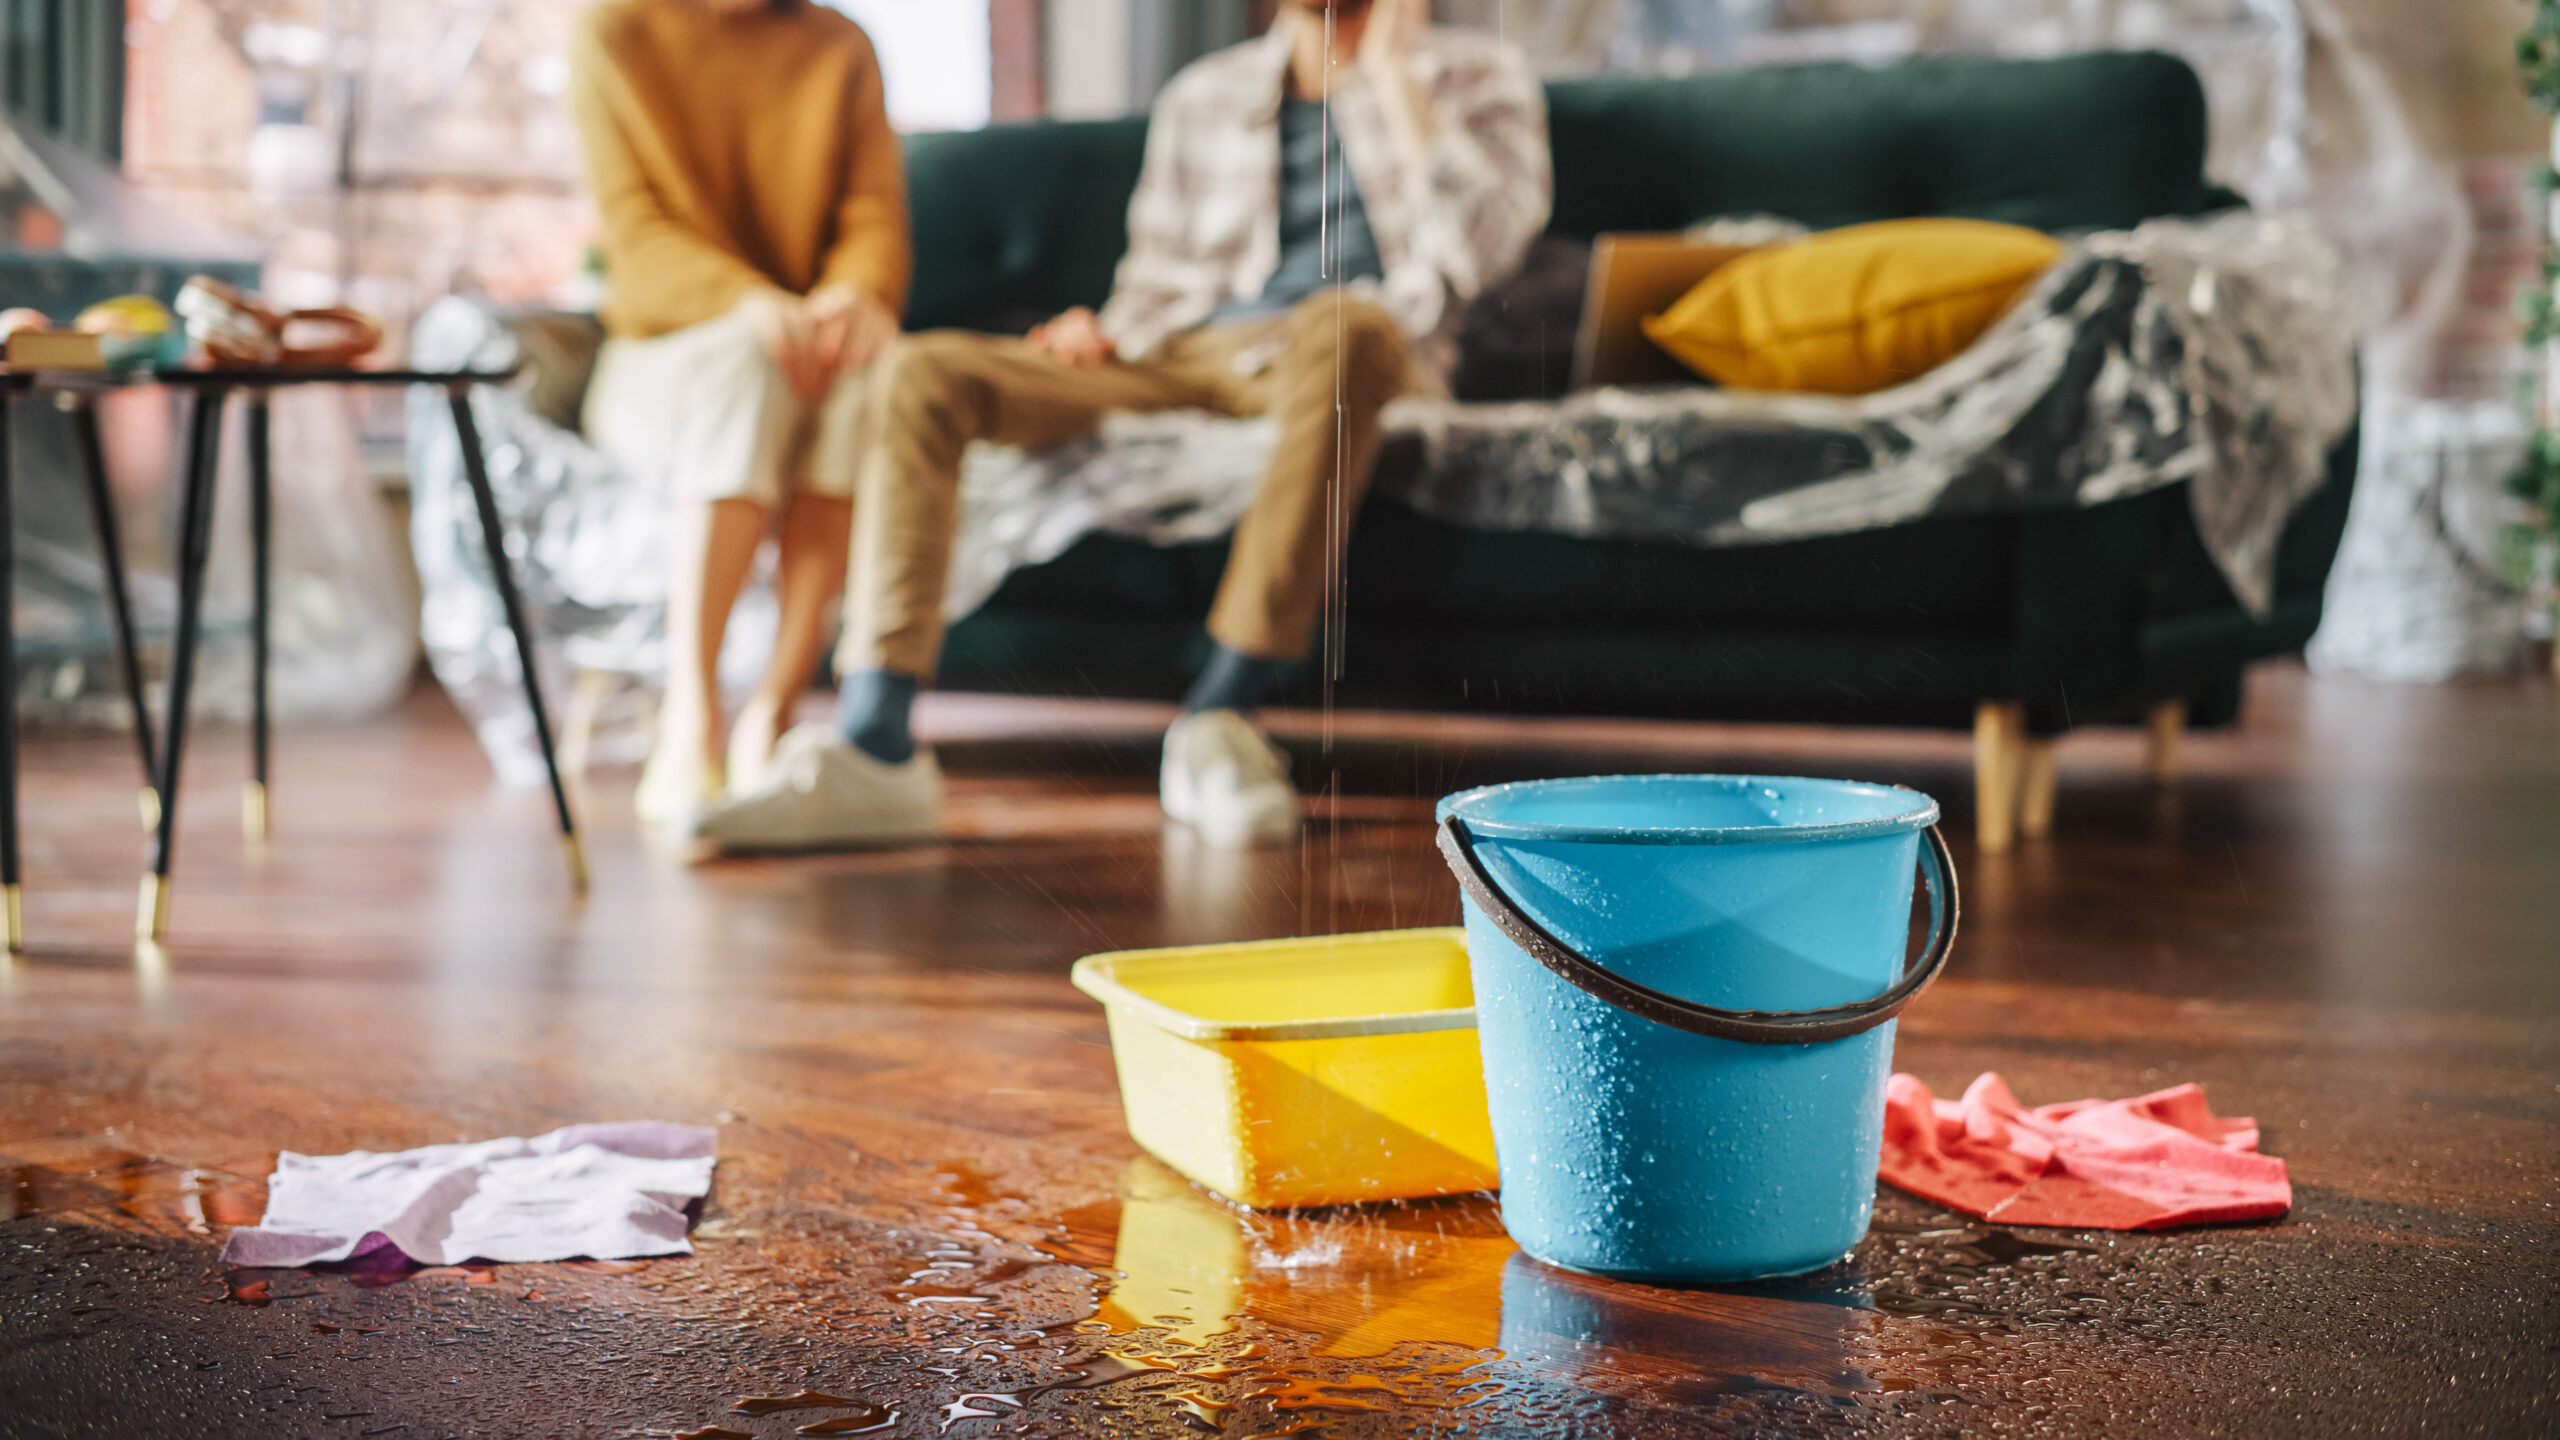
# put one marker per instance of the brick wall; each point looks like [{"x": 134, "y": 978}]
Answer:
[
  {"x": 417, "y": 149},
  {"x": 2481, "y": 355}
]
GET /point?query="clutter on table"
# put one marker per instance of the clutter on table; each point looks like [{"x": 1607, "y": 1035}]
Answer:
[
  {"x": 134, "y": 332},
  {"x": 227, "y": 327},
  {"x": 32, "y": 343},
  {"x": 127, "y": 332},
  {"x": 233, "y": 330}
]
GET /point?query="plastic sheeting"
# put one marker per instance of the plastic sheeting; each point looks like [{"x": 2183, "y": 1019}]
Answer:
[
  {"x": 2304, "y": 119},
  {"x": 338, "y": 617},
  {"x": 2420, "y": 591},
  {"x": 588, "y": 541},
  {"x": 2302, "y": 116},
  {"x": 2219, "y": 351},
  {"x": 80, "y": 233}
]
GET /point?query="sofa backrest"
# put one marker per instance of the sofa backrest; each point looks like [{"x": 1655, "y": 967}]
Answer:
[
  {"x": 1017, "y": 222},
  {"x": 2082, "y": 142}
]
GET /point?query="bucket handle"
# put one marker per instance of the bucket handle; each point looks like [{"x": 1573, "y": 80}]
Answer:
[{"x": 1754, "y": 1027}]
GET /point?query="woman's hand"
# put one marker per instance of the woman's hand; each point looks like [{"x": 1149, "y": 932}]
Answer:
[{"x": 817, "y": 337}]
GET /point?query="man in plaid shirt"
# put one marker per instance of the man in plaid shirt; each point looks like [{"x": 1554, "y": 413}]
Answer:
[{"x": 1315, "y": 210}]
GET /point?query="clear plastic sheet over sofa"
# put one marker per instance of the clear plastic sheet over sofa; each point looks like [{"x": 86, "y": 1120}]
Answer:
[
  {"x": 338, "y": 604},
  {"x": 587, "y": 540},
  {"x": 2219, "y": 351}
]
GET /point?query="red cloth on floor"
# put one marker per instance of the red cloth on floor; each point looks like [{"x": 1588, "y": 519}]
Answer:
[{"x": 2147, "y": 1163}]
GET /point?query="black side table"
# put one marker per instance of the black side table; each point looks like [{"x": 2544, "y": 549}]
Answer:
[{"x": 211, "y": 389}]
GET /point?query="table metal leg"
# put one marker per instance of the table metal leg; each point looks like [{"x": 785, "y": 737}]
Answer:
[
  {"x": 475, "y": 469},
  {"x": 15, "y": 923},
  {"x": 195, "y": 543},
  {"x": 83, "y": 412},
  {"x": 253, "y": 796}
]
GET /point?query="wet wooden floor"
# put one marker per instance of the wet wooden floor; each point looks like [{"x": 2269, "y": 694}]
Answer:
[{"x": 2345, "y": 921}]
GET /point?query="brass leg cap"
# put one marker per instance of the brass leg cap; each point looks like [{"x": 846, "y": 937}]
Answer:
[
  {"x": 575, "y": 851},
  {"x": 15, "y": 903},
  {"x": 151, "y": 921},
  {"x": 253, "y": 812}
]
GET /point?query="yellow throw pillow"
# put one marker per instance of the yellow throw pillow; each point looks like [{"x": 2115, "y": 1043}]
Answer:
[{"x": 1852, "y": 310}]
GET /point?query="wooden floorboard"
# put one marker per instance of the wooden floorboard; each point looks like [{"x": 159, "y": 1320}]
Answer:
[{"x": 2344, "y": 920}]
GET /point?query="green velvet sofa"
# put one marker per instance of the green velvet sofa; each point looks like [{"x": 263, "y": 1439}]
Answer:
[{"x": 2020, "y": 625}]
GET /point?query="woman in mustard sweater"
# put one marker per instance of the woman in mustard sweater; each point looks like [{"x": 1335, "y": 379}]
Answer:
[{"x": 756, "y": 257}]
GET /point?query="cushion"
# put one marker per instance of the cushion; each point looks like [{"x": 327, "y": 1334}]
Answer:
[
  {"x": 557, "y": 349},
  {"x": 1516, "y": 341},
  {"x": 1852, "y": 310}
]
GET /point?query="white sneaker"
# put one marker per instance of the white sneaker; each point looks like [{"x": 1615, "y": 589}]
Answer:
[
  {"x": 820, "y": 793},
  {"x": 1223, "y": 779}
]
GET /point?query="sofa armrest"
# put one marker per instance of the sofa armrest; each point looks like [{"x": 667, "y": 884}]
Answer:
[{"x": 557, "y": 349}]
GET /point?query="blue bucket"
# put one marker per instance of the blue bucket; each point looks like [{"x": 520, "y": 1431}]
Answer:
[{"x": 1685, "y": 989}]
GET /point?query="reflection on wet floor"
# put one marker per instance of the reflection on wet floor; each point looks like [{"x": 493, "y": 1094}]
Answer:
[
  {"x": 1229, "y": 1321},
  {"x": 100, "y": 1184},
  {"x": 1442, "y": 1312},
  {"x": 1163, "y": 1310},
  {"x": 1359, "y": 1278},
  {"x": 1364, "y": 1282},
  {"x": 1103, "y": 1369},
  {"x": 805, "y": 1400},
  {"x": 2336, "y": 940}
]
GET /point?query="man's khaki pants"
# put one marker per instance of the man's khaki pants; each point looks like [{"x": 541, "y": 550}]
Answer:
[{"x": 1338, "y": 362}]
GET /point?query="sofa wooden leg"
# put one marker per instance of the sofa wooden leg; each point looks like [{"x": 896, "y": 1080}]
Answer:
[
  {"x": 1999, "y": 742},
  {"x": 2168, "y": 724},
  {"x": 2035, "y": 787}
]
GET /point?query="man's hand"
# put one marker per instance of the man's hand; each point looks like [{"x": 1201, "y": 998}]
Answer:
[
  {"x": 1386, "y": 59},
  {"x": 1386, "y": 39},
  {"x": 1074, "y": 338}
]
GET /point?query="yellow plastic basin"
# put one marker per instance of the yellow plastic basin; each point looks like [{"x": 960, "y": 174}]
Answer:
[{"x": 1303, "y": 1072}]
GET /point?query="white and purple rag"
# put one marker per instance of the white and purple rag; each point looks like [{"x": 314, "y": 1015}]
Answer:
[{"x": 604, "y": 1192}]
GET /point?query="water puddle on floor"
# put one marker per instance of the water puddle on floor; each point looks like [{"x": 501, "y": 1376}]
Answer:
[
  {"x": 101, "y": 1184},
  {"x": 859, "y": 1423},
  {"x": 1164, "y": 1307},
  {"x": 861, "y": 1417},
  {"x": 1280, "y": 1323},
  {"x": 1267, "y": 1323},
  {"x": 1205, "y": 1413},
  {"x": 1103, "y": 1369}
]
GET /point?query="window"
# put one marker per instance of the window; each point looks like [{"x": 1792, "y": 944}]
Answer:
[{"x": 934, "y": 59}]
